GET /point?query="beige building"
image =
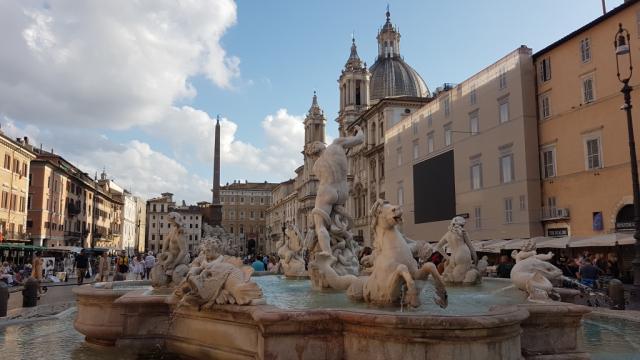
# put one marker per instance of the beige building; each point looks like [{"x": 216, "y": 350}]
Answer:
[
  {"x": 584, "y": 151},
  {"x": 283, "y": 211},
  {"x": 69, "y": 208},
  {"x": 14, "y": 177},
  {"x": 471, "y": 151},
  {"x": 244, "y": 207},
  {"x": 158, "y": 225}
]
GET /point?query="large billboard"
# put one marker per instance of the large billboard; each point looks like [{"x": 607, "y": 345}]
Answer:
[{"x": 434, "y": 192}]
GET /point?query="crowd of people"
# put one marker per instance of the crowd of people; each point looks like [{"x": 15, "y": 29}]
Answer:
[{"x": 263, "y": 262}]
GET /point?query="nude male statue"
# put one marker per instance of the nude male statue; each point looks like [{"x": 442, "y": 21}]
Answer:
[
  {"x": 330, "y": 168},
  {"x": 173, "y": 260}
]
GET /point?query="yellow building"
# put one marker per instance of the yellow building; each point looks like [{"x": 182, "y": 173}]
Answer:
[
  {"x": 584, "y": 151},
  {"x": 14, "y": 177}
]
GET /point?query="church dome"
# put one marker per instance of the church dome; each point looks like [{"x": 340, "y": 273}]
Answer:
[{"x": 390, "y": 75}]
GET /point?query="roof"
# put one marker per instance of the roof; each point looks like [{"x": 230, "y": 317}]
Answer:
[
  {"x": 249, "y": 186},
  {"x": 391, "y": 76},
  {"x": 586, "y": 27}
]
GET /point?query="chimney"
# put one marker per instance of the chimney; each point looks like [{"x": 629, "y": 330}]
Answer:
[{"x": 26, "y": 140}]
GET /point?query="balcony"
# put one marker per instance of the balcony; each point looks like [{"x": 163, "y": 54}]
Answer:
[{"x": 554, "y": 213}]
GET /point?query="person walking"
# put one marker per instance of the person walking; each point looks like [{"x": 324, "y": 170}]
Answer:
[
  {"x": 103, "y": 267},
  {"x": 123, "y": 263},
  {"x": 138, "y": 267},
  {"x": 149, "y": 262},
  {"x": 81, "y": 264}
]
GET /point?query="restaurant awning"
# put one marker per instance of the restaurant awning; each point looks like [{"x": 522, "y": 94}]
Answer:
[
  {"x": 604, "y": 240},
  {"x": 489, "y": 246}
]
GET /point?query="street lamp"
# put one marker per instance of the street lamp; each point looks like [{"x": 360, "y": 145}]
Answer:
[{"x": 623, "y": 52}]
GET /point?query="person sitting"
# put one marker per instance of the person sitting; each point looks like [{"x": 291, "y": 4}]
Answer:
[
  {"x": 6, "y": 273},
  {"x": 588, "y": 273},
  {"x": 258, "y": 265},
  {"x": 504, "y": 268}
]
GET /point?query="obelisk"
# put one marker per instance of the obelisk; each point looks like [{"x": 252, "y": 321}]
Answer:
[{"x": 215, "y": 213}]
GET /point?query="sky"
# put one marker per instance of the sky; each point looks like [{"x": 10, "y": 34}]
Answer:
[{"x": 134, "y": 87}]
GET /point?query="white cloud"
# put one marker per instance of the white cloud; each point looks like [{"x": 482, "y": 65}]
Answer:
[
  {"x": 73, "y": 71},
  {"x": 109, "y": 64},
  {"x": 146, "y": 172},
  {"x": 190, "y": 133}
]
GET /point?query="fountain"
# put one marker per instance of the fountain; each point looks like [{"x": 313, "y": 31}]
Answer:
[{"x": 214, "y": 309}]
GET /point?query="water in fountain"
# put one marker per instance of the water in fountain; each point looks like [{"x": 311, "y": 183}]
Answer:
[
  {"x": 463, "y": 300},
  {"x": 593, "y": 298}
]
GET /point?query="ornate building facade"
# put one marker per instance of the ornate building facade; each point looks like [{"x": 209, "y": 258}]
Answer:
[{"x": 374, "y": 99}]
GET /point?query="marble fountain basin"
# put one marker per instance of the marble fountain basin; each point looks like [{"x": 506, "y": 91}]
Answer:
[{"x": 491, "y": 321}]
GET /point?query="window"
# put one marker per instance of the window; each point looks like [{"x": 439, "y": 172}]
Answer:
[
  {"x": 429, "y": 119},
  {"x": 523, "y": 202},
  {"x": 430, "y": 142},
  {"x": 473, "y": 95},
  {"x": 446, "y": 106},
  {"x": 476, "y": 176},
  {"x": 545, "y": 109},
  {"x": 153, "y": 237},
  {"x": 502, "y": 79},
  {"x": 593, "y": 152},
  {"x": 414, "y": 127},
  {"x": 548, "y": 162},
  {"x": 588, "y": 93},
  {"x": 400, "y": 194},
  {"x": 416, "y": 149},
  {"x": 545, "y": 69},
  {"x": 504, "y": 110},
  {"x": 508, "y": 210},
  {"x": 447, "y": 135},
  {"x": 7, "y": 161},
  {"x": 506, "y": 168},
  {"x": 5, "y": 200},
  {"x": 477, "y": 214},
  {"x": 585, "y": 50},
  {"x": 474, "y": 124},
  {"x": 399, "y": 156}
]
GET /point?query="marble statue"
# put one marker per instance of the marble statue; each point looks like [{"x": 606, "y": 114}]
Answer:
[
  {"x": 225, "y": 240},
  {"x": 395, "y": 270},
  {"x": 331, "y": 243},
  {"x": 460, "y": 266},
  {"x": 483, "y": 264},
  {"x": 173, "y": 261},
  {"x": 290, "y": 252},
  {"x": 216, "y": 279},
  {"x": 532, "y": 273}
]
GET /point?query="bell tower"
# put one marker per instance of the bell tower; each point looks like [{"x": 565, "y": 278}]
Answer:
[
  {"x": 314, "y": 123},
  {"x": 354, "y": 89}
]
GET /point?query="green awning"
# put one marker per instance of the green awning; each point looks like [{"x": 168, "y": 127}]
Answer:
[{"x": 20, "y": 246}]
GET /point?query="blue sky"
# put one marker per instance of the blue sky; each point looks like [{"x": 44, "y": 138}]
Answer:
[
  {"x": 290, "y": 48},
  {"x": 134, "y": 86}
]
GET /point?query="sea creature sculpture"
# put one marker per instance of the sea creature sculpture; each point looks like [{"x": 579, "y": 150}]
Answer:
[
  {"x": 394, "y": 265},
  {"x": 221, "y": 281},
  {"x": 532, "y": 273}
]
